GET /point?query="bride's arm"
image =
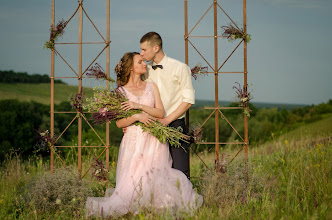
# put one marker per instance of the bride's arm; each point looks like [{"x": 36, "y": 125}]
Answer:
[
  {"x": 142, "y": 117},
  {"x": 157, "y": 111}
]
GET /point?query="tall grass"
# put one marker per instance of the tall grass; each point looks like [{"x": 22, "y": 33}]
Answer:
[{"x": 288, "y": 179}]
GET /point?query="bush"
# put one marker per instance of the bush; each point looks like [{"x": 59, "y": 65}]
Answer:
[{"x": 60, "y": 190}]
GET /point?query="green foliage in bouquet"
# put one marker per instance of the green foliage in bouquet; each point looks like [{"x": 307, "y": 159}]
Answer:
[{"x": 106, "y": 106}]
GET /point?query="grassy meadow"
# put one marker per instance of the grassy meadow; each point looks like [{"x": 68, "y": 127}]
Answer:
[
  {"x": 40, "y": 92},
  {"x": 289, "y": 178}
]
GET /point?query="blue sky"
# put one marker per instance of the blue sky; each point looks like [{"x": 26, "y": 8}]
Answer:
[{"x": 289, "y": 56}]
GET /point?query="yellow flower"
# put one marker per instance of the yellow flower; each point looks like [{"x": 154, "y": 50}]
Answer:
[
  {"x": 283, "y": 161},
  {"x": 286, "y": 142}
]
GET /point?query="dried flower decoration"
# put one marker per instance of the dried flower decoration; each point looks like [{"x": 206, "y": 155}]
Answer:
[
  {"x": 118, "y": 68},
  {"x": 56, "y": 31},
  {"x": 195, "y": 134},
  {"x": 198, "y": 70},
  {"x": 77, "y": 101},
  {"x": 243, "y": 98},
  {"x": 100, "y": 172},
  {"x": 98, "y": 72},
  {"x": 233, "y": 33},
  {"x": 45, "y": 141}
]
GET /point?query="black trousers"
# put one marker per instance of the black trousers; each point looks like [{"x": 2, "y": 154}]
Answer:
[{"x": 179, "y": 156}]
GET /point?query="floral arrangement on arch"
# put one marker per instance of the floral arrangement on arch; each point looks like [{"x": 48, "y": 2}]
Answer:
[
  {"x": 233, "y": 33},
  {"x": 198, "y": 70},
  {"x": 56, "y": 31},
  {"x": 243, "y": 98}
]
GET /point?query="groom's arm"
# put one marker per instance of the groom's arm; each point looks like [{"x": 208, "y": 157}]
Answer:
[
  {"x": 183, "y": 107},
  {"x": 187, "y": 93}
]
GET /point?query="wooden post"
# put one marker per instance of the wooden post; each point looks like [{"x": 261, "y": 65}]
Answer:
[
  {"x": 216, "y": 67},
  {"x": 80, "y": 34},
  {"x": 107, "y": 83},
  {"x": 245, "y": 85},
  {"x": 187, "y": 62},
  {"x": 52, "y": 92}
]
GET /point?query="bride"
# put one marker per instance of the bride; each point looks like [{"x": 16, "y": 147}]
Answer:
[{"x": 144, "y": 177}]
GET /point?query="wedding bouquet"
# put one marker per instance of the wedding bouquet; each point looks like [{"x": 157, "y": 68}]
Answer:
[{"x": 106, "y": 106}]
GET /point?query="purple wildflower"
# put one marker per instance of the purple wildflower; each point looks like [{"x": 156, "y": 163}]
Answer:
[
  {"x": 197, "y": 70},
  {"x": 97, "y": 72}
]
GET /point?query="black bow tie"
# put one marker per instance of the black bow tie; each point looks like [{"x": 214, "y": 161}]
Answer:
[{"x": 156, "y": 66}]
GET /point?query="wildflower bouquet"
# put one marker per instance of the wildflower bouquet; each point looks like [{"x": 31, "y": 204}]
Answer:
[
  {"x": 244, "y": 97},
  {"x": 107, "y": 107},
  {"x": 233, "y": 33}
]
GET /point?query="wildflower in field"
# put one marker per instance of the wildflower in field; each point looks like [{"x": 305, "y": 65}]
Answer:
[
  {"x": 286, "y": 142},
  {"x": 58, "y": 201}
]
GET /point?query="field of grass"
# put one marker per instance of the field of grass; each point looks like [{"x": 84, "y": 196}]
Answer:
[
  {"x": 39, "y": 92},
  {"x": 290, "y": 177}
]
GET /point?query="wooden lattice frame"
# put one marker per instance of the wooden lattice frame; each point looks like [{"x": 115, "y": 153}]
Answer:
[
  {"x": 80, "y": 116},
  {"x": 217, "y": 70}
]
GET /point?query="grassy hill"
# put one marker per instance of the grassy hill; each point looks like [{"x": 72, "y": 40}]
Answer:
[{"x": 39, "y": 92}]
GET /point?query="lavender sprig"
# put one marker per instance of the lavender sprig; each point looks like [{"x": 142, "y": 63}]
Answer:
[
  {"x": 244, "y": 97},
  {"x": 56, "y": 31},
  {"x": 97, "y": 72},
  {"x": 233, "y": 33},
  {"x": 198, "y": 70}
]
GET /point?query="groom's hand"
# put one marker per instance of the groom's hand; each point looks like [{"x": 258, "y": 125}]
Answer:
[{"x": 164, "y": 121}]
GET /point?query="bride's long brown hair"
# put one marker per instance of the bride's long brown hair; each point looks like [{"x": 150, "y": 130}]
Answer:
[{"x": 124, "y": 67}]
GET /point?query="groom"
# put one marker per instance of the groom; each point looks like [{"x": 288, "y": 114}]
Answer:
[{"x": 173, "y": 79}]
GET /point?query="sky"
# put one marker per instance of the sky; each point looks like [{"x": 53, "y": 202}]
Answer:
[{"x": 289, "y": 55}]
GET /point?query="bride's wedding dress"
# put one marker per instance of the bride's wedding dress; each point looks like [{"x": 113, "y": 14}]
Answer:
[{"x": 145, "y": 178}]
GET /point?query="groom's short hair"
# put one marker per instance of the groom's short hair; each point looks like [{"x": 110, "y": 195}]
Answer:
[{"x": 154, "y": 39}]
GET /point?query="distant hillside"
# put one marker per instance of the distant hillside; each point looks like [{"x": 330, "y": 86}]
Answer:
[
  {"x": 279, "y": 106},
  {"x": 9, "y": 76},
  {"x": 39, "y": 92}
]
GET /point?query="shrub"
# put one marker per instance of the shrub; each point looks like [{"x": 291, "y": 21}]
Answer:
[{"x": 60, "y": 190}]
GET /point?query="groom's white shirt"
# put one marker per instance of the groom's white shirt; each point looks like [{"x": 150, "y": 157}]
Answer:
[{"x": 174, "y": 83}]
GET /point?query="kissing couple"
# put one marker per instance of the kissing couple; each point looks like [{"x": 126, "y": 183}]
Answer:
[{"x": 151, "y": 175}]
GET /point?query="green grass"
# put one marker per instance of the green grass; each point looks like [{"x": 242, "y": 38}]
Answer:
[
  {"x": 39, "y": 92},
  {"x": 290, "y": 177}
]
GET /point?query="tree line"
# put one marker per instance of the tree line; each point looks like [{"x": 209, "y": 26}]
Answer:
[
  {"x": 19, "y": 120},
  {"x": 9, "y": 76}
]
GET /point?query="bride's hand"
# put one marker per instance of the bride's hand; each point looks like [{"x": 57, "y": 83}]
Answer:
[
  {"x": 145, "y": 119},
  {"x": 130, "y": 105}
]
